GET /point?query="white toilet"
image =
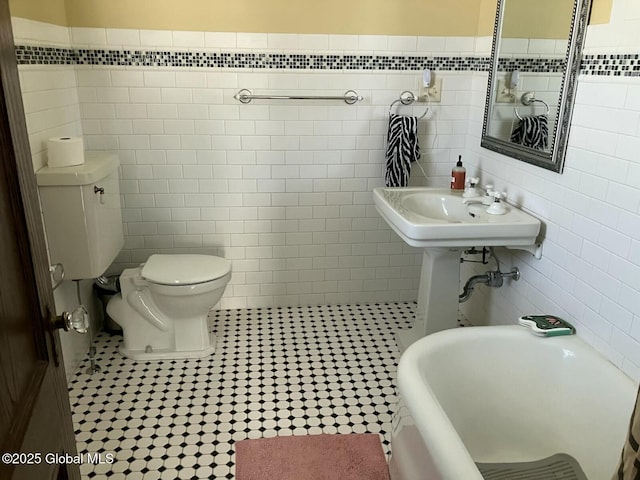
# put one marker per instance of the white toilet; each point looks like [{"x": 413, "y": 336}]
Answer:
[{"x": 164, "y": 304}]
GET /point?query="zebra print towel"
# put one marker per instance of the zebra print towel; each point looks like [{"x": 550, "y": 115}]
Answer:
[
  {"x": 629, "y": 466},
  {"x": 402, "y": 149},
  {"x": 532, "y": 132}
]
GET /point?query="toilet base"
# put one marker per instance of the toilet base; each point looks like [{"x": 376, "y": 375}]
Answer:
[{"x": 165, "y": 354}]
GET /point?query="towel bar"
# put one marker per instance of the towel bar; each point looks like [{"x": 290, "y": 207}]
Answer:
[
  {"x": 350, "y": 97},
  {"x": 407, "y": 98},
  {"x": 528, "y": 98}
]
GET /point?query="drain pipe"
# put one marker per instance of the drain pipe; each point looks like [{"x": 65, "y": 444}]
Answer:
[
  {"x": 93, "y": 367},
  {"x": 491, "y": 278}
]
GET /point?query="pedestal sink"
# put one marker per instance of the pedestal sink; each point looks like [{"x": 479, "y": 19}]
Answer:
[{"x": 438, "y": 220}]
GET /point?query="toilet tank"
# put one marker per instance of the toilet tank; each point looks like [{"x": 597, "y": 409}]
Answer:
[{"x": 82, "y": 214}]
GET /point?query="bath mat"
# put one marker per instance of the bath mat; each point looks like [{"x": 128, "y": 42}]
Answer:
[
  {"x": 357, "y": 456},
  {"x": 556, "y": 467}
]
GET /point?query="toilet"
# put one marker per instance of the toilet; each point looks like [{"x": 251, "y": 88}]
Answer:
[{"x": 164, "y": 305}]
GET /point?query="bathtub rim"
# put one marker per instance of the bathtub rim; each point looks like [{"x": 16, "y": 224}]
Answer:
[{"x": 447, "y": 450}]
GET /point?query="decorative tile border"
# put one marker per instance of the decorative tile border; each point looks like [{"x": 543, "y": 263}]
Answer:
[
  {"x": 626, "y": 65},
  {"x": 35, "y": 55},
  {"x": 603, "y": 64},
  {"x": 537, "y": 65},
  {"x": 271, "y": 60}
]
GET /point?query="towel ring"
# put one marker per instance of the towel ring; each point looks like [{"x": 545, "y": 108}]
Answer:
[
  {"x": 527, "y": 99},
  {"x": 407, "y": 98}
]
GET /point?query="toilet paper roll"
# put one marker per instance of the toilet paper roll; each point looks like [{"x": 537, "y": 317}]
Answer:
[{"x": 65, "y": 151}]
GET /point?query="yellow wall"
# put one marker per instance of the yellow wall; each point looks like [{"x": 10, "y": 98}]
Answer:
[
  {"x": 381, "y": 17},
  {"x": 550, "y": 19},
  {"x": 529, "y": 23},
  {"x": 49, "y": 11},
  {"x": 600, "y": 11},
  {"x": 393, "y": 17},
  {"x": 487, "y": 17}
]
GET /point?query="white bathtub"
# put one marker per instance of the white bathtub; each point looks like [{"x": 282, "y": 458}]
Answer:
[{"x": 501, "y": 394}]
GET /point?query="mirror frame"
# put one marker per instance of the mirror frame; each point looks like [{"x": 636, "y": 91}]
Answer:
[{"x": 554, "y": 158}]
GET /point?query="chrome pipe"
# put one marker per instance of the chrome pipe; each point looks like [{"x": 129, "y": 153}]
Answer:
[
  {"x": 492, "y": 278},
  {"x": 468, "y": 287}
]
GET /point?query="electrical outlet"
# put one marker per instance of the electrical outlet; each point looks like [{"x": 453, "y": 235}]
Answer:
[
  {"x": 504, "y": 93},
  {"x": 435, "y": 91}
]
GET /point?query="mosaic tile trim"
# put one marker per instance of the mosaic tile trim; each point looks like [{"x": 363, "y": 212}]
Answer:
[
  {"x": 626, "y": 65},
  {"x": 546, "y": 65},
  {"x": 34, "y": 55},
  {"x": 271, "y": 60},
  {"x": 604, "y": 64}
]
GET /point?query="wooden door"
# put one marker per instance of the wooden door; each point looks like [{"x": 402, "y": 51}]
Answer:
[{"x": 35, "y": 418}]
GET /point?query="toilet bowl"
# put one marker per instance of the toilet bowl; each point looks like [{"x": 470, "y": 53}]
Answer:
[{"x": 164, "y": 304}]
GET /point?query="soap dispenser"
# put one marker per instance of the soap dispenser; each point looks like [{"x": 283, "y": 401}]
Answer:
[{"x": 458, "y": 175}]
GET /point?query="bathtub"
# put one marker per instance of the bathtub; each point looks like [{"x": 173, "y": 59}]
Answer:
[{"x": 500, "y": 394}]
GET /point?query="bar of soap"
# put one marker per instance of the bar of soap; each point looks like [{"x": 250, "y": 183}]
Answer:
[{"x": 547, "y": 325}]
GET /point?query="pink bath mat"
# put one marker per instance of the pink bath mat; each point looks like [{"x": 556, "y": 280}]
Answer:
[{"x": 358, "y": 456}]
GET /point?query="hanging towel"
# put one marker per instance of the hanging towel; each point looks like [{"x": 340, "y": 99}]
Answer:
[
  {"x": 532, "y": 131},
  {"x": 402, "y": 149},
  {"x": 629, "y": 465}
]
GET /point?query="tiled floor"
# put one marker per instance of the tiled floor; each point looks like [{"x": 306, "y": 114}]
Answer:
[{"x": 276, "y": 371}]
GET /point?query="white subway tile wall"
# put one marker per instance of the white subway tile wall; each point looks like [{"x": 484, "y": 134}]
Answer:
[
  {"x": 50, "y": 93},
  {"x": 621, "y": 35},
  {"x": 590, "y": 270},
  {"x": 38, "y": 33},
  {"x": 283, "y": 189},
  {"x": 51, "y": 102}
]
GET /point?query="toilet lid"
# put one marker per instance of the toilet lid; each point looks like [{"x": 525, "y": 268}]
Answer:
[{"x": 184, "y": 269}]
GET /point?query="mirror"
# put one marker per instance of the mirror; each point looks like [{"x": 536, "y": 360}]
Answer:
[{"x": 535, "y": 61}]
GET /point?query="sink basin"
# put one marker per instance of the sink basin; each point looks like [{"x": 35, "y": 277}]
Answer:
[
  {"x": 437, "y": 220},
  {"x": 436, "y": 217}
]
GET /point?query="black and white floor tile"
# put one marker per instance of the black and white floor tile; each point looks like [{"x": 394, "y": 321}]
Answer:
[{"x": 276, "y": 371}]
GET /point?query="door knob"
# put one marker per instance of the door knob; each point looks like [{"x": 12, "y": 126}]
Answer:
[{"x": 77, "y": 320}]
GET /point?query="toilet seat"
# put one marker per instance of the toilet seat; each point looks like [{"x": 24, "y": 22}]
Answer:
[{"x": 183, "y": 269}]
